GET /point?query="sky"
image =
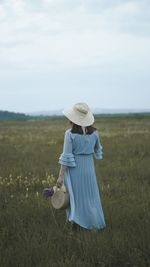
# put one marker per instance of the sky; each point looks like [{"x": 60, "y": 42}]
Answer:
[{"x": 54, "y": 53}]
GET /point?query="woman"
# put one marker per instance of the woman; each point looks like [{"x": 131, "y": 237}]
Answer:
[{"x": 77, "y": 170}]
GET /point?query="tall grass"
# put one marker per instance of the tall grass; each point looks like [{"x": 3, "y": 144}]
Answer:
[{"x": 33, "y": 234}]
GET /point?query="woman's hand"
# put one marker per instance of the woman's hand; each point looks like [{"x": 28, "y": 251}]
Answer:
[{"x": 59, "y": 181}]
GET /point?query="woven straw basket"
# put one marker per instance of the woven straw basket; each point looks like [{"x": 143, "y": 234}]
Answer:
[{"x": 60, "y": 200}]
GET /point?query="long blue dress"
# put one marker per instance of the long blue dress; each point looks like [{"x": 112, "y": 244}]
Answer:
[{"x": 80, "y": 180}]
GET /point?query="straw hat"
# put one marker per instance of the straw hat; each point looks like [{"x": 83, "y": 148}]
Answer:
[{"x": 79, "y": 114}]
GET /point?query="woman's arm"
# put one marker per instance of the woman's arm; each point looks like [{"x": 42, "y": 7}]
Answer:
[
  {"x": 98, "y": 149},
  {"x": 66, "y": 158},
  {"x": 61, "y": 175}
]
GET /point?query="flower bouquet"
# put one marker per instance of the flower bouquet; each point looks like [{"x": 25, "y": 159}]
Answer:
[
  {"x": 49, "y": 191},
  {"x": 50, "y": 183}
]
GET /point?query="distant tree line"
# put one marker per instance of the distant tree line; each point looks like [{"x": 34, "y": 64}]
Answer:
[{"x": 7, "y": 115}]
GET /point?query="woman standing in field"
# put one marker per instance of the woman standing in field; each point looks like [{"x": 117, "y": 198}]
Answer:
[{"x": 77, "y": 170}]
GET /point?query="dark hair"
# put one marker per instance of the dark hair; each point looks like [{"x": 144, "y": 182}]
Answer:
[{"x": 78, "y": 129}]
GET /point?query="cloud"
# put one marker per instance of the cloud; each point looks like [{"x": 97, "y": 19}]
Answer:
[
  {"x": 52, "y": 34},
  {"x": 52, "y": 46}
]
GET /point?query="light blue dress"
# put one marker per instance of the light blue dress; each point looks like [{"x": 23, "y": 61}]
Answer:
[{"x": 80, "y": 180}]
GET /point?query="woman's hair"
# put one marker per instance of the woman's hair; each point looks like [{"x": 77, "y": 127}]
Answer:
[{"x": 78, "y": 129}]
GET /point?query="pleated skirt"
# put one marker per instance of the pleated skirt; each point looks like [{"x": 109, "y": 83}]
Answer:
[{"x": 85, "y": 206}]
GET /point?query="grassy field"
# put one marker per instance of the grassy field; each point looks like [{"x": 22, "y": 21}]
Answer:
[{"x": 33, "y": 234}]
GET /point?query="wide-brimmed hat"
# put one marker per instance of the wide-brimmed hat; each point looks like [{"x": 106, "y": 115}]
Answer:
[{"x": 79, "y": 114}]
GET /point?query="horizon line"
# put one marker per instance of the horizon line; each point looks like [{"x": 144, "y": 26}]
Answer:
[{"x": 30, "y": 113}]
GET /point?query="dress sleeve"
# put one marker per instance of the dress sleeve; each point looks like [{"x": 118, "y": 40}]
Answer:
[
  {"x": 98, "y": 149},
  {"x": 67, "y": 158}
]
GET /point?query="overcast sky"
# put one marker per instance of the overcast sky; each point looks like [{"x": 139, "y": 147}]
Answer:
[{"x": 54, "y": 53}]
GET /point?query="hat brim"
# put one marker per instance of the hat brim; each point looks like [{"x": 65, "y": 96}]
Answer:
[{"x": 79, "y": 119}]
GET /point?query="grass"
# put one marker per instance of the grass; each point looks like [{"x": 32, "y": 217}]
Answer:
[{"x": 33, "y": 234}]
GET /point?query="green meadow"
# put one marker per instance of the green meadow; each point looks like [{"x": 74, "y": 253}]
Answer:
[{"x": 32, "y": 233}]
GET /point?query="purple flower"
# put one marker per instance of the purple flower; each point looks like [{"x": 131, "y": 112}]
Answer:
[{"x": 48, "y": 192}]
